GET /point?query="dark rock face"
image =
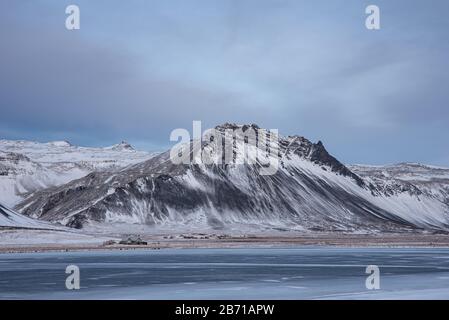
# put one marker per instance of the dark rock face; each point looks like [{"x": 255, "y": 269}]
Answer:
[
  {"x": 311, "y": 190},
  {"x": 8, "y": 160},
  {"x": 320, "y": 155},
  {"x": 3, "y": 211},
  {"x": 13, "y": 157}
]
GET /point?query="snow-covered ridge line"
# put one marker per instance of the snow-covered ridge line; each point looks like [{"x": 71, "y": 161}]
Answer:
[{"x": 27, "y": 166}]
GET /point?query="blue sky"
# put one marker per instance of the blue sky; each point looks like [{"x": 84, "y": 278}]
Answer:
[{"x": 139, "y": 69}]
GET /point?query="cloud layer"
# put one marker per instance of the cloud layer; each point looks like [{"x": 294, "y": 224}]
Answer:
[{"x": 139, "y": 69}]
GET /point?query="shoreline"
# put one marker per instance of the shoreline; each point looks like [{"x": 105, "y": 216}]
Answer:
[{"x": 329, "y": 240}]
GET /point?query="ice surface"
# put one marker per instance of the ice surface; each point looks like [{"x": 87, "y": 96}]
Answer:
[{"x": 298, "y": 273}]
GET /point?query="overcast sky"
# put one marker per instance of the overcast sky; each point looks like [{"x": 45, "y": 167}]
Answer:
[{"x": 138, "y": 69}]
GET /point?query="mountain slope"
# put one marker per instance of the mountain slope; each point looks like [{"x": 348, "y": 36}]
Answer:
[
  {"x": 27, "y": 167},
  {"x": 12, "y": 219},
  {"x": 311, "y": 191},
  {"x": 417, "y": 179}
]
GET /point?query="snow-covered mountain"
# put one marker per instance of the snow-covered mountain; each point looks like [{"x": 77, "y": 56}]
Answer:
[
  {"x": 11, "y": 219},
  {"x": 311, "y": 191},
  {"x": 27, "y": 166},
  {"x": 414, "y": 178}
]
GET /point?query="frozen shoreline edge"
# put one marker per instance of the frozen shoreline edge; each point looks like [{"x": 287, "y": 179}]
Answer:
[{"x": 273, "y": 243}]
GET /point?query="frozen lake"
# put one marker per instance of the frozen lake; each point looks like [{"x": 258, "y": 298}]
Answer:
[{"x": 299, "y": 273}]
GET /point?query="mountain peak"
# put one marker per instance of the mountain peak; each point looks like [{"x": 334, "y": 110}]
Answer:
[
  {"x": 122, "y": 146},
  {"x": 62, "y": 143},
  {"x": 235, "y": 126}
]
